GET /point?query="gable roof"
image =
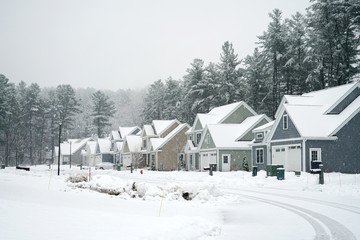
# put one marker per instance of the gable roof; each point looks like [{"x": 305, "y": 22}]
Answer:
[
  {"x": 308, "y": 112},
  {"x": 220, "y": 114},
  {"x": 161, "y": 126},
  {"x": 225, "y": 135},
  {"x": 158, "y": 143},
  {"x": 249, "y": 123},
  {"x": 148, "y": 130},
  {"x": 91, "y": 145},
  {"x": 264, "y": 127},
  {"x": 104, "y": 145},
  {"x": 125, "y": 131},
  {"x": 76, "y": 145},
  {"x": 115, "y": 135},
  {"x": 133, "y": 142}
]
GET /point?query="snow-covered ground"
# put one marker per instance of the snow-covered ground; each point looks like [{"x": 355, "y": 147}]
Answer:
[{"x": 120, "y": 205}]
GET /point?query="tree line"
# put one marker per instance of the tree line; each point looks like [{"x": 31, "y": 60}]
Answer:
[
  {"x": 303, "y": 53},
  {"x": 30, "y": 118}
]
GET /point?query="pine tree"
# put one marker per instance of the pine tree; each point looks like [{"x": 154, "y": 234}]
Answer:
[
  {"x": 103, "y": 109},
  {"x": 154, "y": 102}
]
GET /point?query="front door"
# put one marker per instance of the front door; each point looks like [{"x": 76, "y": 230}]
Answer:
[{"x": 226, "y": 162}]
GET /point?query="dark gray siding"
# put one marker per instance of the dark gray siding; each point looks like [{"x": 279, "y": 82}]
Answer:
[
  {"x": 280, "y": 133},
  {"x": 346, "y": 101},
  {"x": 253, "y": 156},
  {"x": 342, "y": 155}
]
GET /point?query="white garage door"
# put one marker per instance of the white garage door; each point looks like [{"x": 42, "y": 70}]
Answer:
[
  {"x": 126, "y": 160},
  {"x": 207, "y": 158},
  {"x": 288, "y": 156}
]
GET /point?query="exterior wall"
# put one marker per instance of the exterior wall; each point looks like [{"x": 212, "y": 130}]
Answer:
[
  {"x": 168, "y": 156},
  {"x": 250, "y": 135},
  {"x": 342, "y": 155},
  {"x": 238, "y": 116},
  {"x": 198, "y": 126},
  {"x": 261, "y": 166},
  {"x": 172, "y": 127},
  {"x": 205, "y": 144},
  {"x": 291, "y": 132},
  {"x": 237, "y": 157},
  {"x": 346, "y": 101}
]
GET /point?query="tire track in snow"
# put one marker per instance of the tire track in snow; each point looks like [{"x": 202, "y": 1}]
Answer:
[
  {"x": 316, "y": 220},
  {"x": 349, "y": 208}
]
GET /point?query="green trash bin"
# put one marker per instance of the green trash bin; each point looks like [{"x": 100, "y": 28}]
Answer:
[
  {"x": 2, "y": 166},
  {"x": 254, "y": 171},
  {"x": 118, "y": 167},
  {"x": 280, "y": 173}
]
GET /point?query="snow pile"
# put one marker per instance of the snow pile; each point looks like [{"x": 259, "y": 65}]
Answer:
[{"x": 146, "y": 191}]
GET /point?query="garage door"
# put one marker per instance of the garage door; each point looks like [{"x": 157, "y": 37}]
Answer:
[
  {"x": 207, "y": 158},
  {"x": 126, "y": 160},
  {"x": 288, "y": 156}
]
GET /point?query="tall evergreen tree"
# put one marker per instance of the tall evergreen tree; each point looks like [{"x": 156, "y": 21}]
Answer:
[
  {"x": 103, "y": 109},
  {"x": 154, "y": 102}
]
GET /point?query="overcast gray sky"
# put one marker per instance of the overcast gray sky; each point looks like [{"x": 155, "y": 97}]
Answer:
[{"x": 124, "y": 44}]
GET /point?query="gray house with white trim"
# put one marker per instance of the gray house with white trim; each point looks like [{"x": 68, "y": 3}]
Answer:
[{"x": 317, "y": 127}]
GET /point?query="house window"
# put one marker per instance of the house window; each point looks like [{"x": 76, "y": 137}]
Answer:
[
  {"x": 198, "y": 138},
  {"x": 190, "y": 137},
  {"x": 285, "y": 122},
  {"x": 191, "y": 159},
  {"x": 144, "y": 143},
  {"x": 259, "y": 155},
  {"x": 225, "y": 159},
  {"x": 259, "y": 135},
  {"x": 315, "y": 154}
]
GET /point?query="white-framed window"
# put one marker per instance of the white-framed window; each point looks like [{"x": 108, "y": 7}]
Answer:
[
  {"x": 315, "y": 154},
  {"x": 144, "y": 143},
  {"x": 259, "y": 135},
  {"x": 259, "y": 155},
  {"x": 198, "y": 138},
  {"x": 207, "y": 138},
  {"x": 191, "y": 159},
  {"x": 226, "y": 158},
  {"x": 285, "y": 122},
  {"x": 190, "y": 137}
]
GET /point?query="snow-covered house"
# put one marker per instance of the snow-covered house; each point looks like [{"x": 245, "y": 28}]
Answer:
[
  {"x": 167, "y": 153},
  {"x": 103, "y": 151},
  {"x": 89, "y": 154},
  {"x": 117, "y": 138},
  {"x": 71, "y": 151},
  {"x": 318, "y": 127},
  {"x": 131, "y": 152},
  {"x": 260, "y": 146},
  {"x": 157, "y": 129},
  {"x": 228, "y": 145},
  {"x": 234, "y": 113}
]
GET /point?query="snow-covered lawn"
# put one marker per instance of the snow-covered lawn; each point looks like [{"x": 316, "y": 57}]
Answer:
[{"x": 120, "y": 205}]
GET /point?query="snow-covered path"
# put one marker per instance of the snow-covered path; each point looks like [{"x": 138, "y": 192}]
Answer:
[{"x": 226, "y": 206}]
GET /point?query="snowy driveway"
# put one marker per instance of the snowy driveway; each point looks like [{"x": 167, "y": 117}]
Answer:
[{"x": 226, "y": 206}]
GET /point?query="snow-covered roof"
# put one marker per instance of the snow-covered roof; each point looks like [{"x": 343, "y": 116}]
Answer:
[
  {"x": 124, "y": 131},
  {"x": 134, "y": 143},
  {"x": 76, "y": 145},
  {"x": 161, "y": 125},
  {"x": 308, "y": 111},
  {"x": 190, "y": 145},
  {"x": 119, "y": 145},
  {"x": 115, "y": 135},
  {"x": 91, "y": 146},
  {"x": 157, "y": 143},
  {"x": 264, "y": 127},
  {"x": 104, "y": 145},
  {"x": 149, "y": 131},
  {"x": 219, "y": 114},
  {"x": 225, "y": 135}
]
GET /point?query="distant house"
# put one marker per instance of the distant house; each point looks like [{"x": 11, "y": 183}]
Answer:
[
  {"x": 131, "y": 152},
  {"x": 320, "y": 127},
  {"x": 71, "y": 151},
  {"x": 199, "y": 154},
  {"x": 117, "y": 138},
  {"x": 89, "y": 154},
  {"x": 167, "y": 153},
  {"x": 157, "y": 129},
  {"x": 228, "y": 145},
  {"x": 104, "y": 152}
]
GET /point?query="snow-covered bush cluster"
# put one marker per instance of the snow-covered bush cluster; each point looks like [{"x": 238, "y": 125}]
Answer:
[
  {"x": 130, "y": 189},
  {"x": 77, "y": 178}
]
